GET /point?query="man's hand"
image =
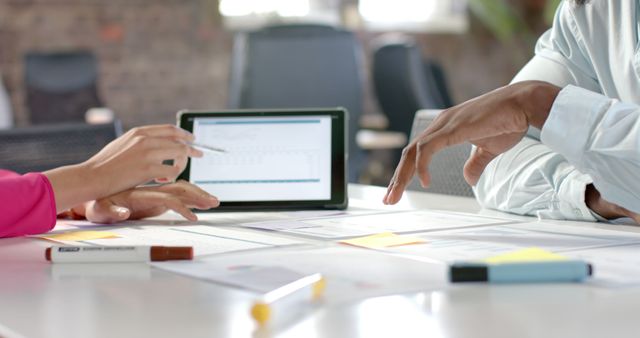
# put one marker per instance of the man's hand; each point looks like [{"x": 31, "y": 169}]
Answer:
[
  {"x": 144, "y": 202},
  {"x": 494, "y": 122},
  {"x": 607, "y": 210}
]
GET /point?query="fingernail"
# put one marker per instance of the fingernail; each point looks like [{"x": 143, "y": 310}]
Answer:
[{"x": 122, "y": 212}]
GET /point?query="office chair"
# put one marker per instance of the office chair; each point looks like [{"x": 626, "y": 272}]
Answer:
[
  {"x": 405, "y": 83},
  {"x": 446, "y": 166},
  {"x": 61, "y": 86},
  {"x": 6, "y": 116},
  {"x": 300, "y": 66},
  {"x": 40, "y": 148}
]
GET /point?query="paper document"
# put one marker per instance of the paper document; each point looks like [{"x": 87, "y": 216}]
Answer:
[
  {"x": 204, "y": 239},
  {"x": 397, "y": 222},
  {"x": 481, "y": 242},
  {"x": 378, "y": 274},
  {"x": 382, "y": 240}
]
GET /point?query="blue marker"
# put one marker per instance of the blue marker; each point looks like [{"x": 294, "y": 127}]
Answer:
[{"x": 521, "y": 272}]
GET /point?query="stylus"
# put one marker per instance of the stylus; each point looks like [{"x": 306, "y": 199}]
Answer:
[{"x": 206, "y": 147}]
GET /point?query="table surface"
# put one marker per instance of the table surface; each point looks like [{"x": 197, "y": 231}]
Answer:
[{"x": 141, "y": 301}]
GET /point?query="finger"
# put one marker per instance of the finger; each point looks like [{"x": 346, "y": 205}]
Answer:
[
  {"x": 104, "y": 211},
  {"x": 180, "y": 163},
  {"x": 425, "y": 151},
  {"x": 164, "y": 131},
  {"x": 191, "y": 195},
  {"x": 402, "y": 175},
  {"x": 160, "y": 149},
  {"x": 176, "y": 205},
  {"x": 475, "y": 165}
]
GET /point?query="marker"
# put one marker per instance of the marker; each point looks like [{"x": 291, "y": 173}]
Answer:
[
  {"x": 117, "y": 254},
  {"x": 206, "y": 147},
  {"x": 521, "y": 272},
  {"x": 285, "y": 301}
]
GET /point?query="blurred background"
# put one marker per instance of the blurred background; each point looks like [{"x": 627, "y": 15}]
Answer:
[{"x": 140, "y": 61}]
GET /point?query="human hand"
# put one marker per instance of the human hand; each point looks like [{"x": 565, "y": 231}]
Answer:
[
  {"x": 493, "y": 122},
  {"x": 604, "y": 208},
  {"x": 132, "y": 159},
  {"x": 149, "y": 201},
  {"x": 140, "y": 153}
]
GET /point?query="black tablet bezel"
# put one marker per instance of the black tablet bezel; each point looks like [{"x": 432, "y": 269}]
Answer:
[{"x": 339, "y": 118}]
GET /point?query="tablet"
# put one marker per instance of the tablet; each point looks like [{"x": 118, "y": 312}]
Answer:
[{"x": 270, "y": 159}]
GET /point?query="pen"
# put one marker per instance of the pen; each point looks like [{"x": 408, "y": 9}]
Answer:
[
  {"x": 282, "y": 302},
  {"x": 521, "y": 272},
  {"x": 207, "y": 147},
  {"x": 116, "y": 254}
]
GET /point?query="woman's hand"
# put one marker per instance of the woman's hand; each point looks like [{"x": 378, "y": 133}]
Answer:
[
  {"x": 150, "y": 201},
  {"x": 132, "y": 159}
]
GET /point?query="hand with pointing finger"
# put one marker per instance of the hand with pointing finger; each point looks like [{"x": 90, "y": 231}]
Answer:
[{"x": 494, "y": 123}]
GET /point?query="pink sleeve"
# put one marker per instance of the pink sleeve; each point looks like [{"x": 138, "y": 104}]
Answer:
[{"x": 27, "y": 204}]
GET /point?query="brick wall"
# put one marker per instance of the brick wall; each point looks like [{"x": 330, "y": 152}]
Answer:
[
  {"x": 160, "y": 56},
  {"x": 155, "y": 56}
]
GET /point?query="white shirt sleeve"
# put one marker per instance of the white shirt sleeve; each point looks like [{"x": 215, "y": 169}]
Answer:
[
  {"x": 601, "y": 137},
  {"x": 531, "y": 178}
]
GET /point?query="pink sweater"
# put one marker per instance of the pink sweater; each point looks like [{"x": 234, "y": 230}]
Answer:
[{"x": 27, "y": 204}]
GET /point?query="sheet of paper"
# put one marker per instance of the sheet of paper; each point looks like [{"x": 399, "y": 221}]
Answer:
[
  {"x": 616, "y": 266},
  {"x": 260, "y": 279},
  {"x": 481, "y": 242},
  {"x": 382, "y": 240},
  {"x": 76, "y": 236},
  {"x": 397, "y": 222},
  {"x": 378, "y": 274},
  {"x": 525, "y": 255},
  {"x": 279, "y": 225},
  {"x": 204, "y": 239}
]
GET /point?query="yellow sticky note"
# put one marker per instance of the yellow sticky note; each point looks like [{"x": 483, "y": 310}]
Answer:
[
  {"x": 525, "y": 255},
  {"x": 81, "y": 235},
  {"x": 383, "y": 240}
]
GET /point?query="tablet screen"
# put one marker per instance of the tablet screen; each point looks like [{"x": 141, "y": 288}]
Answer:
[{"x": 267, "y": 158}]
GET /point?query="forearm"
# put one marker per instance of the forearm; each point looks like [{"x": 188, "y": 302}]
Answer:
[
  {"x": 73, "y": 185},
  {"x": 531, "y": 179},
  {"x": 602, "y": 141}
]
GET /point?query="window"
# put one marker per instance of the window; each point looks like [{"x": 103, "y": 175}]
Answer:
[
  {"x": 251, "y": 14},
  {"x": 414, "y": 15}
]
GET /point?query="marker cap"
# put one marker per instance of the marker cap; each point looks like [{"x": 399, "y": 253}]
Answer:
[{"x": 170, "y": 253}]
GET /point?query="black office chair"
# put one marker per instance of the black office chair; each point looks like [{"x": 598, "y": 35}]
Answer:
[
  {"x": 300, "y": 66},
  {"x": 40, "y": 148},
  {"x": 405, "y": 83},
  {"x": 61, "y": 86}
]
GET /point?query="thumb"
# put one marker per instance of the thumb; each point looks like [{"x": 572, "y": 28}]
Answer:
[
  {"x": 478, "y": 160},
  {"x": 104, "y": 212},
  {"x": 119, "y": 213}
]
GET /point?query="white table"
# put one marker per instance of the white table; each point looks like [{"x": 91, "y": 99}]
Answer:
[{"x": 135, "y": 300}]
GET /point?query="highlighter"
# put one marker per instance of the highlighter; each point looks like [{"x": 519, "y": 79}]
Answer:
[
  {"x": 288, "y": 300},
  {"x": 555, "y": 271}
]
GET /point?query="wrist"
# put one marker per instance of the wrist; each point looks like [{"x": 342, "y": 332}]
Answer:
[
  {"x": 536, "y": 100},
  {"x": 73, "y": 185},
  {"x": 598, "y": 205}
]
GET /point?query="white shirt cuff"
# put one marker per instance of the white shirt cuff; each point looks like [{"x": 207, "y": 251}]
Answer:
[{"x": 571, "y": 120}]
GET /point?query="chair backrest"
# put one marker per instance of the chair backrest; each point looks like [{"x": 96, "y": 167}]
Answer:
[
  {"x": 300, "y": 66},
  {"x": 446, "y": 166},
  {"x": 404, "y": 82},
  {"x": 40, "y": 148},
  {"x": 61, "y": 86},
  {"x": 6, "y": 116}
]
